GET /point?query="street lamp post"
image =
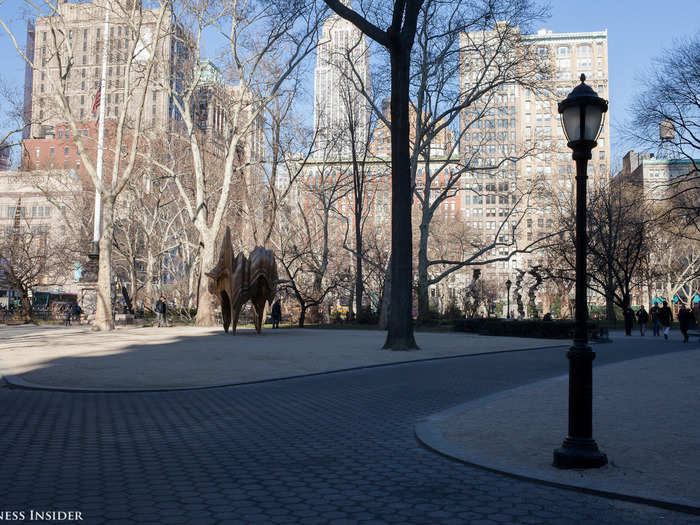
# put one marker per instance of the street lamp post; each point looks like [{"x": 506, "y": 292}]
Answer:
[
  {"x": 508, "y": 285},
  {"x": 582, "y": 115}
]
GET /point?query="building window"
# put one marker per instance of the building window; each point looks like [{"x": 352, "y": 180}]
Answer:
[
  {"x": 60, "y": 133},
  {"x": 66, "y": 152},
  {"x": 38, "y": 152},
  {"x": 584, "y": 50},
  {"x": 563, "y": 51},
  {"x": 67, "y": 134},
  {"x": 51, "y": 151}
]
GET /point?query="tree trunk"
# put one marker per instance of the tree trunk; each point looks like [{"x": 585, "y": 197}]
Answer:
[
  {"x": 423, "y": 292},
  {"x": 315, "y": 314},
  {"x": 351, "y": 305},
  {"x": 103, "y": 312},
  {"x": 25, "y": 305},
  {"x": 610, "y": 303},
  {"x": 192, "y": 281},
  {"x": 385, "y": 307},
  {"x": 302, "y": 315},
  {"x": 359, "y": 284},
  {"x": 149, "y": 300},
  {"x": 400, "y": 334},
  {"x": 207, "y": 301},
  {"x": 133, "y": 286}
]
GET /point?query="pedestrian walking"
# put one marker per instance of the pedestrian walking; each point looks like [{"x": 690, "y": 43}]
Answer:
[
  {"x": 642, "y": 319},
  {"x": 655, "y": 322},
  {"x": 684, "y": 321},
  {"x": 629, "y": 320},
  {"x": 276, "y": 314},
  {"x": 68, "y": 310},
  {"x": 666, "y": 318},
  {"x": 76, "y": 312},
  {"x": 161, "y": 311}
]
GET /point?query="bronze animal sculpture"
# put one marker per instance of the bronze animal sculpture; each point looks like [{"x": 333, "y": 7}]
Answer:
[{"x": 236, "y": 279}]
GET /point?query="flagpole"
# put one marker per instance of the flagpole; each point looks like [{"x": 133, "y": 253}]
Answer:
[{"x": 97, "y": 230}]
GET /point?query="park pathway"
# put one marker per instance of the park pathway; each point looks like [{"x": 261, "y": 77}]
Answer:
[{"x": 336, "y": 448}]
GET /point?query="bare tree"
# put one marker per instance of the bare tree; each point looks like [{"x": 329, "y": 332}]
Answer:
[
  {"x": 667, "y": 120},
  {"x": 143, "y": 49},
  {"x": 256, "y": 34},
  {"x": 11, "y": 113},
  {"x": 398, "y": 40},
  {"x": 618, "y": 244},
  {"x": 311, "y": 227},
  {"x": 672, "y": 267},
  {"x": 670, "y": 100},
  {"x": 424, "y": 74},
  {"x": 33, "y": 252}
]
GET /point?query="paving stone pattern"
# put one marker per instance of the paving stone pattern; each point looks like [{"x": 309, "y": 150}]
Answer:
[{"x": 335, "y": 449}]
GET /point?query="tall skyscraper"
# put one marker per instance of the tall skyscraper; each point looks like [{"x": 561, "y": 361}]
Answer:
[
  {"x": 342, "y": 70},
  {"x": 518, "y": 119},
  {"x": 75, "y": 33}
]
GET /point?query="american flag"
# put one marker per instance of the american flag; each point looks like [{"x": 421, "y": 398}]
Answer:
[{"x": 98, "y": 99}]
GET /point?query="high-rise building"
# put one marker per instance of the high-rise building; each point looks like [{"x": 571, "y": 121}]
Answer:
[
  {"x": 342, "y": 71},
  {"x": 517, "y": 119},
  {"x": 441, "y": 145},
  {"x": 75, "y": 34}
]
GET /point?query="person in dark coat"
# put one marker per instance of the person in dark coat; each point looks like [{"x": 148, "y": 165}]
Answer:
[
  {"x": 68, "y": 310},
  {"x": 629, "y": 320},
  {"x": 276, "y": 314},
  {"x": 161, "y": 311},
  {"x": 684, "y": 322},
  {"x": 77, "y": 311},
  {"x": 666, "y": 318},
  {"x": 642, "y": 319},
  {"x": 655, "y": 323}
]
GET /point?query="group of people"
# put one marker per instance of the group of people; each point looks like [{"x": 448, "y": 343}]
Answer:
[{"x": 661, "y": 319}]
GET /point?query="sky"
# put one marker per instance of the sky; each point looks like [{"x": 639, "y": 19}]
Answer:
[{"x": 638, "y": 32}]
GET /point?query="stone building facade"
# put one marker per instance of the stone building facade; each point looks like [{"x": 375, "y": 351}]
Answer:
[{"x": 520, "y": 119}]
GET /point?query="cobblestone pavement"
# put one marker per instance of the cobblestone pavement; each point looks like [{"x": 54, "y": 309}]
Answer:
[{"x": 334, "y": 449}]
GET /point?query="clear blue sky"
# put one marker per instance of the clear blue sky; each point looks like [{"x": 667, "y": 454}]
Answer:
[{"x": 638, "y": 31}]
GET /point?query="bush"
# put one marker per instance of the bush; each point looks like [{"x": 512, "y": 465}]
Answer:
[
  {"x": 453, "y": 313},
  {"x": 433, "y": 318},
  {"x": 525, "y": 328},
  {"x": 367, "y": 316}
]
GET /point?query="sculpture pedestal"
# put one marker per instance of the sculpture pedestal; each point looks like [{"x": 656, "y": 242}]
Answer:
[{"x": 87, "y": 299}]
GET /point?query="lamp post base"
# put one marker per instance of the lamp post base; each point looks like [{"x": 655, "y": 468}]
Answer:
[{"x": 579, "y": 453}]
